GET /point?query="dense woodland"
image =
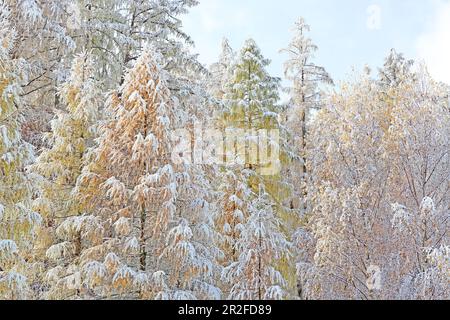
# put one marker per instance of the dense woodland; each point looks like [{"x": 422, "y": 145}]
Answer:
[{"x": 93, "y": 205}]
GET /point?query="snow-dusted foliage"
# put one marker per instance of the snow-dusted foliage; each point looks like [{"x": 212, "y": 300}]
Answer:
[
  {"x": 306, "y": 82},
  {"x": 221, "y": 71},
  {"x": 42, "y": 45},
  {"x": 133, "y": 186},
  {"x": 250, "y": 104},
  {"x": 116, "y": 31},
  {"x": 156, "y": 177},
  {"x": 234, "y": 213},
  {"x": 306, "y": 79},
  {"x": 251, "y": 91},
  {"x": 66, "y": 228},
  {"x": 301, "y": 71},
  {"x": 396, "y": 69},
  {"x": 17, "y": 220},
  {"x": 113, "y": 31},
  {"x": 261, "y": 244},
  {"x": 380, "y": 169},
  {"x": 130, "y": 183}
]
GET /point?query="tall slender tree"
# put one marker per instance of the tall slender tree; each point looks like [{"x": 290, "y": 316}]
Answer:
[
  {"x": 305, "y": 93},
  {"x": 17, "y": 220},
  {"x": 250, "y": 98},
  {"x": 65, "y": 225},
  {"x": 306, "y": 79}
]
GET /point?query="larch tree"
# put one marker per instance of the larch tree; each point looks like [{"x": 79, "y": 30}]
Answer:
[
  {"x": 117, "y": 31},
  {"x": 221, "y": 70},
  {"x": 254, "y": 275},
  {"x": 250, "y": 99},
  {"x": 17, "y": 220},
  {"x": 216, "y": 83},
  {"x": 134, "y": 187},
  {"x": 234, "y": 212},
  {"x": 306, "y": 79},
  {"x": 66, "y": 228},
  {"x": 43, "y": 44}
]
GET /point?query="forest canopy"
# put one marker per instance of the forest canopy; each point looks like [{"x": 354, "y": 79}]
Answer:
[{"x": 130, "y": 170}]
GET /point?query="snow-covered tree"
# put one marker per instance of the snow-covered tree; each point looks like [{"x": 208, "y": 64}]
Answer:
[
  {"x": 305, "y": 94},
  {"x": 251, "y": 94},
  {"x": 130, "y": 183},
  {"x": 306, "y": 79},
  {"x": 17, "y": 220},
  {"x": 221, "y": 70},
  {"x": 254, "y": 275},
  {"x": 396, "y": 69},
  {"x": 134, "y": 187},
  {"x": 250, "y": 101},
  {"x": 419, "y": 150},
  {"x": 117, "y": 31},
  {"x": 362, "y": 249},
  {"x": 65, "y": 227},
  {"x": 42, "y": 45}
]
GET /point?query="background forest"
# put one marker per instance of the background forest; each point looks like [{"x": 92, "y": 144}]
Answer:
[{"x": 93, "y": 205}]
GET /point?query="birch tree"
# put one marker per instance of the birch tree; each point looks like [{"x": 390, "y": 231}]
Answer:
[{"x": 368, "y": 199}]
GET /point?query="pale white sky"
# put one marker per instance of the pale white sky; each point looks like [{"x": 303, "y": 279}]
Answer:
[{"x": 349, "y": 33}]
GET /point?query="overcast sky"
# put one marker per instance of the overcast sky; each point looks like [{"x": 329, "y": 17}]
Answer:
[{"x": 349, "y": 33}]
